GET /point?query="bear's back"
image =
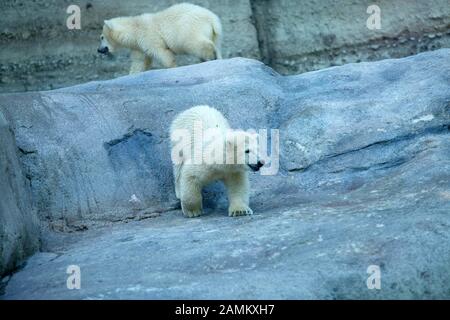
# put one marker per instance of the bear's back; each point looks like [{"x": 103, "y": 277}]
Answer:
[
  {"x": 183, "y": 8},
  {"x": 205, "y": 115}
]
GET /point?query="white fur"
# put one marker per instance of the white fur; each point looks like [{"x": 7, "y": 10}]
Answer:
[
  {"x": 180, "y": 29},
  {"x": 191, "y": 178}
]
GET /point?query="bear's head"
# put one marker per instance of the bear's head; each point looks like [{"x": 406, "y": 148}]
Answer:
[
  {"x": 109, "y": 37},
  {"x": 242, "y": 146}
]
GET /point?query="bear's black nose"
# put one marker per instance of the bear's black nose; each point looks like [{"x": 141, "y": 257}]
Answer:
[
  {"x": 260, "y": 163},
  {"x": 103, "y": 50}
]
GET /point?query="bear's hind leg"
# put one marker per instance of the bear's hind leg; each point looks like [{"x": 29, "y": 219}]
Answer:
[
  {"x": 217, "y": 47},
  {"x": 191, "y": 197},
  {"x": 206, "y": 50},
  {"x": 238, "y": 194},
  {"x": 165, "y": 57},
  {"x": 218, "y": 51}
]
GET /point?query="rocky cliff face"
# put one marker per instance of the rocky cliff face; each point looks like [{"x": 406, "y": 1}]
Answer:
[
  {"x": 101, "y": 150},
  {"x": 38, "y": 52},
  {"x": 363, "y": 180},
  {"x": 19, "y": 227}
]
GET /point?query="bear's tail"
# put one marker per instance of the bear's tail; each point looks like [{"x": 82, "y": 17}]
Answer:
[{"x": 217, "y": 36}]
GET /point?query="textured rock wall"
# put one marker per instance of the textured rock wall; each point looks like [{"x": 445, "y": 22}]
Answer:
[
  {"x": 51, "y": 56},
  {"x": 298, "y": 36},
  {"x": 364, "y": 180},
  {"x": 38, "y": 52},
  {"x": 19, "y": 228},
  {"x": 101, "y": 151}
]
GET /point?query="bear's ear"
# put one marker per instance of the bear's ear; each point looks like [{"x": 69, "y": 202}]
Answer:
[{"x": 109, "y": 24}]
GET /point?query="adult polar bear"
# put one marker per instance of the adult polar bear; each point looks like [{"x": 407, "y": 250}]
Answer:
[
  {"x": 180, "y": 29},
  {"x": 204, "y": 128}
]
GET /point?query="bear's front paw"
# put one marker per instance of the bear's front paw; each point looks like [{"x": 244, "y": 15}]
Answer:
[
  {"x": 235, "y": 211},
  {"x": 192, "y": 213}
]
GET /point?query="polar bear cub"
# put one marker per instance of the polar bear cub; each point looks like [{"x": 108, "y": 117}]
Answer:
[
  {"x": 205, "y": 149},
  {"x": 180, "y": 29}
]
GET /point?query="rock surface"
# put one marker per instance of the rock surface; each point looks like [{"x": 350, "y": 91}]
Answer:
[
  {"x": 364, "y": 180},
  {"x": 320, "y": 249},
  {"x": 309, "y": 35},
  {"x": 41, "y": 53},
  {"x": 100, "y": 151},
  {"x": 19, "y": 227}
]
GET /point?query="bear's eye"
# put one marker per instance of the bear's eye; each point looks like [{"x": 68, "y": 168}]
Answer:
[
  {"x": 101, "y": 37},
  {"x": 247, "y": 151}
]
